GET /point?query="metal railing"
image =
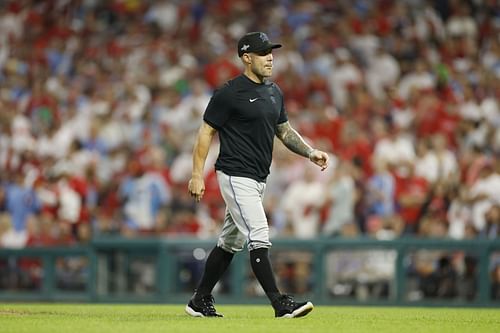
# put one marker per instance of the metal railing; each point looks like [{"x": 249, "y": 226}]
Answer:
[{"x": 107, "y": 264}]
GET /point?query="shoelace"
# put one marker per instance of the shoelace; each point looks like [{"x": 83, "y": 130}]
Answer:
[
  {"x": 287, "y": 300},
  {"x": 208, "y": 303}
]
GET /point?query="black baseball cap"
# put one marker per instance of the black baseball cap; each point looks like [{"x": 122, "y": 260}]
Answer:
[{"x": 255, "y": 42}]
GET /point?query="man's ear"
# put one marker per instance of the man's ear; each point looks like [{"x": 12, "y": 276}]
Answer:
[{"x": 246, "y": 58}]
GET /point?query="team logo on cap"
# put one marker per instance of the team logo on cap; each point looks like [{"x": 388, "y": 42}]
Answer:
[
  {"x": 245, "y": 47},
  {"x": 263, "y": 37}
]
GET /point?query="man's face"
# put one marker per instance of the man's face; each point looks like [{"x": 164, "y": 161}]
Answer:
[{"x": 262, "y": 63}]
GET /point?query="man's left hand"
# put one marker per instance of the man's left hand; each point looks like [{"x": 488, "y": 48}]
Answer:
[{"x": 319, "y": 158}]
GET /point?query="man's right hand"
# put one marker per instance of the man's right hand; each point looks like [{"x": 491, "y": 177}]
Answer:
[{"x": 196, "y": 187}]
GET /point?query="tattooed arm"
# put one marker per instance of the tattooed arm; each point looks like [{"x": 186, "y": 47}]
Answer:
[{"x": 293, "y": 141}]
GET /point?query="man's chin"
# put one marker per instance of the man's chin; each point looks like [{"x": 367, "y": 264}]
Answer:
[{"x": 267, "y": 73}]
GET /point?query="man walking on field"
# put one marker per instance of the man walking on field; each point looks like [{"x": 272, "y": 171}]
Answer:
[{"x": 247, "y": 112}]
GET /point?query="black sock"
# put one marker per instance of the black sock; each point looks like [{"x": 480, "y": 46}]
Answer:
[
  {"x": 261, "y": 266},
  {"x": 217, "y": 262}
]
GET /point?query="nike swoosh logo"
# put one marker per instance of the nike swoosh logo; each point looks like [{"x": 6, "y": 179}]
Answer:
[{"x": 253, "y": 99}]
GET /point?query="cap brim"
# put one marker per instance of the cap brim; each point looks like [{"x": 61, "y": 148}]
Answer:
[
  {"x": 273, "y": 46},
  {"x": 263, "y": 48},
  {"x": 268, "y": 47}
]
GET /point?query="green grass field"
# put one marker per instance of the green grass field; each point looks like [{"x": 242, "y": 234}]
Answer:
[{"x": 83, "y": 318}]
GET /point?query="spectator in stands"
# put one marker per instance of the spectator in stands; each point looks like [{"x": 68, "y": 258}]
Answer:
[
  {"x": 380, "y": 192},
  {"x": 459, "y": 214},
  {"x": 340, "y": 196},
  {"x": 9, "y": 238},
  {"x": 484, "y": 194},
  {"x": 435, "y": 161},
  {"x": 411, "y": 193},
  {"x": 345, "y": 75},
  {"x": 394, "y": 146},
  {"x": 302, "y": 202},
  {"x": 442, "y": 282},
  {"x": 21, "y": 203},
  {"x": 492, "y": 216},
  {"x": 143, "y": 195},
  {"x": 382, "y": 73},
  {"x": 417, "y": 79}
]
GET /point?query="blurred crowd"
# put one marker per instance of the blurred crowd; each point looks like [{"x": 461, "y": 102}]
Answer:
[{"x": 100, "y": 102}]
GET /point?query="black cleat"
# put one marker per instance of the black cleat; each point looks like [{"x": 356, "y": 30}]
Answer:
[
  {"x": 285, "y": 307},
  {"x": 202, "y": 306}
]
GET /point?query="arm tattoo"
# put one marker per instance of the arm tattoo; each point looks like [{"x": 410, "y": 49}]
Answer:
[{"x": 292, "y": 140}]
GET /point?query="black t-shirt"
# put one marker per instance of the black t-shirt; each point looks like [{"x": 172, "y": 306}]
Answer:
[{"x": 245, "y": 114}]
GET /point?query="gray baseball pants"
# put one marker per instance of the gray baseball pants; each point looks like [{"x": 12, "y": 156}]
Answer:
[{"x": 245, "y": 219}]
